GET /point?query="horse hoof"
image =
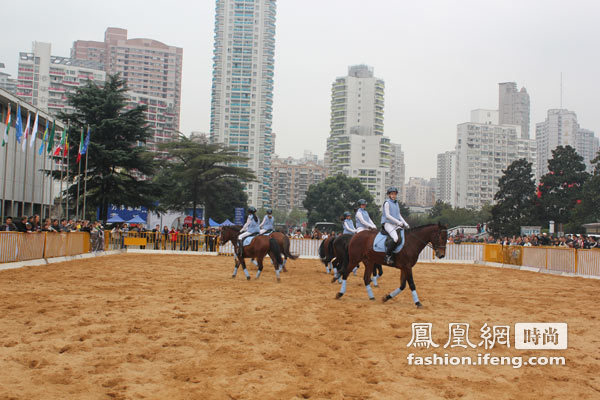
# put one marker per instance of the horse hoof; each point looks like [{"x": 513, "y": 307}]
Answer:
[
  {"x": 247, "y": 278},
  {"x": 278, "y": 280},
  {"x": 418, "y": 304},
  {"x": 386, "y": 298},
  {"x": 284, "y": 269},
  {"x": 232, "y": 276},
  {"x": 375, "y": 285},
  {"x": 371, "y": 298},
  {"x": 339, "y": 295},
  {"x": 333, "y": 280}
]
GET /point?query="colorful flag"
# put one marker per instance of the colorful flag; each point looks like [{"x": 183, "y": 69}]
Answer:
[
  {"x": 44, "y": 140},
  {"x": 26, "y": 133},
  {"x": 66, "y": 152},
  {"x": 34, "y": 130},
  {"x": 51, "y": 139},
  {"x": 19, "y": 124},
  {"x": 61, "y": 144},
  {"x": 80, "y": 147},
  {"x": 7, "y": 122}
]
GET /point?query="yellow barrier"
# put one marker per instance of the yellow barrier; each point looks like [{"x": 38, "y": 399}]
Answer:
[
  {"x": 17, "y": 246},
  {"x": 159, "y": 241},
  {"x": 493, "y": 253},
  {"x": 588, "y": 262}
]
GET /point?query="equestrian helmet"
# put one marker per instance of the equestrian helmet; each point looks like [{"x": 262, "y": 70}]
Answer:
[
  {"x": 251, "y": 209},
  {"x": 269, "y": 211},
  {"x": 392, "y": 189},
  {"x": 347, "y": 214},
  {"x": 361, "y": 202}
]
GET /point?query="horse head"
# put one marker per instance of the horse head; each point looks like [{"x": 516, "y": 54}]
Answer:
[
  {"x": 229, "y": 233},
  {"x": 439, "y": 239}
]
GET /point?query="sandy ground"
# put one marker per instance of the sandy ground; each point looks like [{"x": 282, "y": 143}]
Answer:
[{"x": 178, "y": 327}]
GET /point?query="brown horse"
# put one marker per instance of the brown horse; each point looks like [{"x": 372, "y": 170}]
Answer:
[
  {"x": 259, "y": 247},
  {"x": 326, "y": 253},
  {"x": 284, "y": 244},
  {"x": 361, "y": 249}
]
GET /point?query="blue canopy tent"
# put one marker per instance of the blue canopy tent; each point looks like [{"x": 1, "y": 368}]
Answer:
[
  {"x": 136, "y": 220},
  {"x": 212, "y": 223},
  {"x": 227, "y": 223},
  {"x": 115, "y": 219}
]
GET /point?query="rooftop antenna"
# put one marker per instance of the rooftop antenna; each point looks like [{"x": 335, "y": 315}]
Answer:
[{"x": 561, "y": 91}]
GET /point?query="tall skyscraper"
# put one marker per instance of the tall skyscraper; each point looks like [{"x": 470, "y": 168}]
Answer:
[
  {"x": 242, "y": 87},
  {"x": 291, "y": 180},
  {"x": 562, "y": 129},
  {"x": 45, "y": 80},
  {"x": 446, "y": 177},
  {"x": 483, "y": 151},
  {"x": 514, "y": 107},
  {"x": 152, "y": 71},
  {"x": 356, "y": 145},
  {"x": 398, "y": 168}
]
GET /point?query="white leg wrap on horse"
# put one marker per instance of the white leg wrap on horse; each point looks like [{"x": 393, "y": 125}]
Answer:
[
  {"x": 277, "y": 273},
  {"x": 257, "y": 274},
  {"x": 395, "y": 292},
  {"x": 343, "y": 288},
  {"x": 235, "y": 271},
  {"x": 374, "y": 280},
  {"x": 284, "y": 261},
  {"x": 335, "y": 273},
  {"x": 246, "y": 272},
  {"x": 370, "y": 291},
  {"x": 354, "y": 270},
  {"x": 415, "y": 296},
  {"x": 254, "y": 262},
  {"x": 328, "y": 270}
]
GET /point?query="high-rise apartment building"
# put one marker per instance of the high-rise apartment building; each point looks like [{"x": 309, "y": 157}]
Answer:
[
  {"x": 420, "y": 192},
  {"x": 514, "y": 107},
  {"x": 483, "y": 151},
  {"x": 562, "y": 129},
  {"x": 398, "y": 168},
  {"x": 291, "y": 178},
  {"x": 152, "y": 71},
  {"x": 45, "y": 80},
  {"x": 6, "y": 82},
  {"x": 356, "y": 146},
  {"x": 242, "y": 87},
  {"x": 446, "y": 177}
]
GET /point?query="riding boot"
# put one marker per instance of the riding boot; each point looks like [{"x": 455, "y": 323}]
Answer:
[{"x": 390, "y": 244}]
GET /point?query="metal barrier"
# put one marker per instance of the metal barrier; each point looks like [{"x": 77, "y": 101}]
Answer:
[
  {"x": 17, "y": 246},
  {"x": 161, "y": 241}
]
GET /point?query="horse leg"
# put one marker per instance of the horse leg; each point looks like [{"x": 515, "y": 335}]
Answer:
[
  {"x": 398, "y": 290},
  {"x": 367, "y": 279},
  {"x": 377, "y": 272},
  {"x": 260, "y": 266},
  {"x": 235, "y": 268},
  {"x": 355, "y": 269},
  {"x": 413, "y": 288},
  {"x": 243, "y": 262}
]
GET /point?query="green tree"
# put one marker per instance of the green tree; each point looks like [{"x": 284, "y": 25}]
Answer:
[
  {"x": 586, "y": 208},
  {"x": 515, "y": 196},
  {"x": 296, "y": 217},
  {"x": 118, "y": 163},
  {"x": 561, "y": 187},
  {"x": 327, "y": 200},
  {"x": 225, "y": 196},
  {"x": 193, "y": 173},
  {"x": 438, "y": 209}
]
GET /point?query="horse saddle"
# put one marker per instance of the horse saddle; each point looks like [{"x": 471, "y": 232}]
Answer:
[
  {"x": 248, "y": 239},
  {"x": 267, "y": 233},
  {"x": 379, "y": 242}
]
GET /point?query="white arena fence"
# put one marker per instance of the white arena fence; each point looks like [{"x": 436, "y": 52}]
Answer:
[{"x": 18, "y": 247}]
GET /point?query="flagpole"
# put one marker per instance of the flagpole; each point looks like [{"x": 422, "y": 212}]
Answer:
[
  {"x": 43, "y": 209},
  {"x": 25, "y": 169},
  {"x": 32, "y": 144},
  {"x": 12, "y": 202},
  {"x": 5, "y": 165},
  {"x": 67, "y": 196},
  {"x": 85, "y": 180},
  {"x": 78, "y": 179},
  {"x": 51, "y": 202}
]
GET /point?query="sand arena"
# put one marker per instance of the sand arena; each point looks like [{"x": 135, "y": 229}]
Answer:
[{"x": 170, "y": 327}]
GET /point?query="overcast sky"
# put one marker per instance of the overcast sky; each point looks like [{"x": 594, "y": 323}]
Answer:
[{"x": 439, "y": 59}]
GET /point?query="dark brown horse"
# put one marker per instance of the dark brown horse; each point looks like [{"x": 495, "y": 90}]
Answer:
[
  {"x": 326, "y": 253},
  {"x": 259, "y": 247},
  {"x": 361, "y": 249},
  {"x": 284, "y": 244},
  {"x": 340, "y": 250}
]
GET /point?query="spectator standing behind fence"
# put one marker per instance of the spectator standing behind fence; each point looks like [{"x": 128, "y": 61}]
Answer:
[
  {"x": 8, "y": 226},
  {"x": 195, "y": 237},
  {"x": 173, "y": 238}
]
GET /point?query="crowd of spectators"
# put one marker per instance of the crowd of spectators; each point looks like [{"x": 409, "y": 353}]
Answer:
[
  {"x": 575, "y": 241},
  {"x": 196, "y": 238}
]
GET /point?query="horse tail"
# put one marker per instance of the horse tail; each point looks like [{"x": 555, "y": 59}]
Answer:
[
  {"x": 343, "y": 247},
  {"x": 322, "y": 251},
  {"x": 286, "y": 249},
  {"x": 276, "y": 251},
  {"x": 330, "y": 251}
]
